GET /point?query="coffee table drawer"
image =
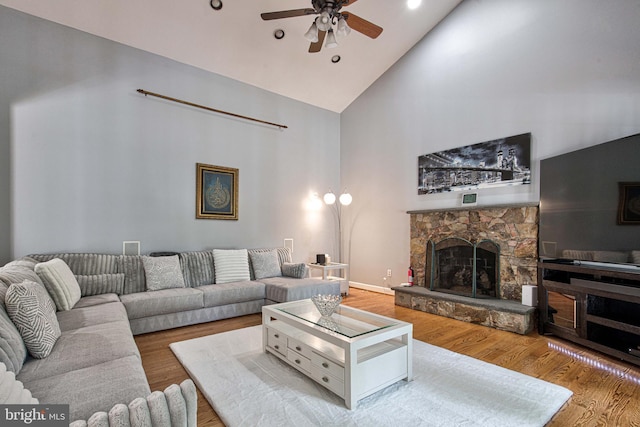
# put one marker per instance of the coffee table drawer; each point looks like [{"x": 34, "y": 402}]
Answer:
[
  {"x": 299, "y": 360},
  {"x": 329, "y": 381},
  {"x": 299, "y": 347},
  {"x": 326, "y": 366},
  {"x": 277, "y": 341}
]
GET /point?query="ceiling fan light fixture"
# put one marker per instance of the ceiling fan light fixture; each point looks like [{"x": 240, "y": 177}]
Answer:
[
  {"x": 331, "y": 39},
  {"x": 312, "y": 33},
  {"x": 323, "y": 21},
  {"x": 343, "y": 29}
]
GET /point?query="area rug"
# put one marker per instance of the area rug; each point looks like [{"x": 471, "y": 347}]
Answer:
[{"x": 247, "y": 387}]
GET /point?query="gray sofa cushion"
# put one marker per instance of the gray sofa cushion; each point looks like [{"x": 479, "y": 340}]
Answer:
[
  {"x": 86, "y": 263},
  {"x": 162, "y": 272},
  {"x": 143, "y": 304},
  {"x": 25, "y": 261},
  {"x": 96, "y": 300},
  {"x": 197, "y": 268},
  {"x": 230, "y": 293},
  {"x": 284, "y": 255},
  {"x": 81, "y": 348},
  {"x": 134, "y": 280},
  {"x": 33, "y": 312},
  {"x": 93, "y": 388},
  {"x": 265, "y": 264},
  {"x": 13, "y": 352},
  {"x": 18, "y": 274},
  {"x": 81, "y": 317},
  {"x": 96, "y": 284},
  {"x": 283, "y": 289}
]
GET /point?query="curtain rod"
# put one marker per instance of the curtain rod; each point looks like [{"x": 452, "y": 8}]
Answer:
[{"x": 168, "y": 98}]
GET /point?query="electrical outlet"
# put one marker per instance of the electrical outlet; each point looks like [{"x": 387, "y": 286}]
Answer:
[{"x": 388, "y": 272}]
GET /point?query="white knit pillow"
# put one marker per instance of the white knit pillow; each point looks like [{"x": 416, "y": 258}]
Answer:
[
  {"x": 33, "y": 312},
  {"x": 60, "y": 282},
  {"x": 231, "y": 265}
]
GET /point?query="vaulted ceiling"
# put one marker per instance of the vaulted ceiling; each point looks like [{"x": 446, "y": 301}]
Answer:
[{"x": 235, "y": 42}]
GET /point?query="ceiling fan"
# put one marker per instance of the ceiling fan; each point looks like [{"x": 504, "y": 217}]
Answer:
[{"x": 329, "y": 14}]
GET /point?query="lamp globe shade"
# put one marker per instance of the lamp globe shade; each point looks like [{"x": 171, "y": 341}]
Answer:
[
  {"x": 346, "y": 199},
  {"x": 329, "y": 198}
]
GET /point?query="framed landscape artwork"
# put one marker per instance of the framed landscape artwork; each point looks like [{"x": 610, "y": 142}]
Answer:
[
  {"x": 505, "y": 161},
  {"x": 216, "y": 192},
  {"x": 629, "y": 204}
]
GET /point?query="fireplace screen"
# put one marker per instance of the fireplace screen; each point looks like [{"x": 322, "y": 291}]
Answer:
[{"x": 457, "y": 266}]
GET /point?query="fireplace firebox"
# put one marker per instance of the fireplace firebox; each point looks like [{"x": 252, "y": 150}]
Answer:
[{"x": 458, "y": 266}]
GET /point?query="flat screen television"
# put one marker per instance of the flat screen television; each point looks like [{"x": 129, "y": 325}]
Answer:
[{"x": 580, "y": 202}]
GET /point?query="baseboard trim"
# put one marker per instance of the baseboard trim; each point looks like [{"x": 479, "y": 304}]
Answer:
[{"x": 372, "y": 288}]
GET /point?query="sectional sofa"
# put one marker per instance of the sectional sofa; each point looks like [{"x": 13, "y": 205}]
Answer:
[{"x": 101, "y": 300}]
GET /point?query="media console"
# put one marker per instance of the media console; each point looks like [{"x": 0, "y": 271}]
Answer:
[{"x": 597, "y": 306}]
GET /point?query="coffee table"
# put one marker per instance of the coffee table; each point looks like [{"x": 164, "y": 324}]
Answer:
[{"x": 353, "y": 353}]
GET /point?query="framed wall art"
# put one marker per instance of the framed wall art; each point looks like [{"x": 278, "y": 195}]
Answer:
[
  {"x": 501, "y": 162},
  {"x": 216, "y": 192},
  {"x": 629, "y": 203}
]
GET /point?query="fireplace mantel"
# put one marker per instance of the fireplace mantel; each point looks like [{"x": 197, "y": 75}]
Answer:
[{"x": 473, "y": 208}]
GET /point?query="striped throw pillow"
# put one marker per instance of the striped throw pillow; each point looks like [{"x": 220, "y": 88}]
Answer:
[
  {"x": 231, "y": 265},
  {"x": 60, "y": 282},
  {"x": 298, "y": 270}
]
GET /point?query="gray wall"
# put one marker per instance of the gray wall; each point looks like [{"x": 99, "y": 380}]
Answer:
[
  {"x": 93, "y": 163},
  {"x": 568, "y": 72}
]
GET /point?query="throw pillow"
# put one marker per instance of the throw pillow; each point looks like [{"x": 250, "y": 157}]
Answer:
[
  {"x": 231, "y": 265},
  {"x": 265, "y": 264},
  {"x": 162, "y": 272},
  {"x": 97, "y": 284},
  {"x": 13, "y": 352},
  {"x": 635, "y": 257},
  {"x": 60, "y": 282},
  {"x": 298, "y": 271},
  {"x": 33, "y": 312}
]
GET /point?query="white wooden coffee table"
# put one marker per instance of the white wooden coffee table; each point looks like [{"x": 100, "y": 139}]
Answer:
[{"x": 353, "y": 353}]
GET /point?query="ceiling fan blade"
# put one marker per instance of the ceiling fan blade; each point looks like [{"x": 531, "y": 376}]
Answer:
[
  {"x": 287, "y": 14},
  {"x": 316, "y": 46},
  {"x": 348, "y": 2},
  {"x": 362, "y": 25}
]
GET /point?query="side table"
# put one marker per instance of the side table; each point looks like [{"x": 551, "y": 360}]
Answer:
[{"x": 330, "y": 272}]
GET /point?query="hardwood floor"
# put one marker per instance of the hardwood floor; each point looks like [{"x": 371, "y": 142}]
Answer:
[{"x": 606, "y": 391}]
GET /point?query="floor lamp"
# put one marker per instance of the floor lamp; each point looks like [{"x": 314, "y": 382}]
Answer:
[{"x": 345, "y": 199}]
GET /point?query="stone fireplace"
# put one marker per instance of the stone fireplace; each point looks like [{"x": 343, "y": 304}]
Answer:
[
  {"x": 457, "y": 266},
  {"x": 493, "y": 246}
]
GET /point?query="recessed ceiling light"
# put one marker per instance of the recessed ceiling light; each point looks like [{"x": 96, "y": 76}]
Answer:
[
  {"x": 413, "y": 4},
  {"x": 335, "y": 59},
  {"x": 278, "y": 34}
]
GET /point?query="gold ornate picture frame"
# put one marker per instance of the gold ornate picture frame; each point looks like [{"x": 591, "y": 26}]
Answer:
[{"x": 216, "y": 192}]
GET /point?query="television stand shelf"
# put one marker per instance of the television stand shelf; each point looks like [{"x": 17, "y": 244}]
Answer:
[{"x": 595, "y": 306}]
